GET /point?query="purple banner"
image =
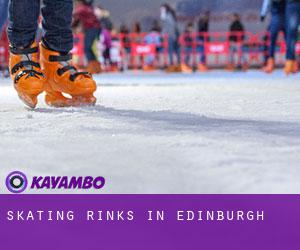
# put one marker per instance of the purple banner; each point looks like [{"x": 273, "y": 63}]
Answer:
[{"x": 149, "y": 222}]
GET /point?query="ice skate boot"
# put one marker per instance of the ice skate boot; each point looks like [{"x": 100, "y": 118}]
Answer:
[
  {"x": 63, "y": 78},
  {"x": 230, "y": 67},
  {"x": 148, "y": 68},
  {"x": 202, "y": 68},
  {"x": 94, "y": 67},
  {"x": 245, "y": 67},
  {"x": 270, "y": 66},
  {"x": 289, "y": 67},
  {"x": 186, "y": 68},
  {"x": 26, "y": 74},
  {"x": 171, "y": 69}
]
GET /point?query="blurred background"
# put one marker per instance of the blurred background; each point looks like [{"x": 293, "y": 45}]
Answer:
[
  {"x": 146, "y": 11},
  {"x": 181, "y": 35}
]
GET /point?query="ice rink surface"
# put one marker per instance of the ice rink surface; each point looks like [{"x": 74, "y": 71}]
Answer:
[{"x": 157, "y": 133}]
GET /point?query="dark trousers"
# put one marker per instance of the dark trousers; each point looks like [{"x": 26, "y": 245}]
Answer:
[
  {"x": 90, "y": 36},
  {"x": 277, "y": 24},
  {"x": 173, "y": 48},
  {"x": 292, "y": 23},
  {"x": 201, "y": 49},
  {"x": 57, "y": 18},
  {"x": 3, "y": 13}
]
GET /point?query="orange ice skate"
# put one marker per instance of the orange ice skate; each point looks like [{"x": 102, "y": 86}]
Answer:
[
  {"x": 230, "y": 67},
  {"x": 186, "y": 68},
  {"x": 171, "y": 69},
  {"x": 290, "y": 67},
  {"x": 270, "y": 66},
  {"x": 202, "y": 67},
  {"x": 94, "y": 67},
  {"x": 26, "y": 74},
  {"x": 63, "y": 78}
]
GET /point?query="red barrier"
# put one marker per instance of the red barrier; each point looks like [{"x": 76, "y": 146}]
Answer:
[
  {"x": 143, "y": 49},
  {"x": 4, "y": 54},
  {"x": 146, "y": 50},
  {"x": 219, "y": 48}
]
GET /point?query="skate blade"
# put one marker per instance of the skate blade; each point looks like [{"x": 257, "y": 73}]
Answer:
[
  {"x": 84, "y": 101},
  {"x": 29, "y": 101},
  {"x": 75, "y": 101}
]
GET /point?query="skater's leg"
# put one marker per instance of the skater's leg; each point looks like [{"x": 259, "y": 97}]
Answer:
[
  {"x": 61, "y": 76},
  {"x": 57, "y": 21},
  {"x": 233, "y": 51},
  {"x": 89, "y": 38},
  {"x": 24, "y": 64},
  {"x": 185, "y": 66},
  {"x": 292, "y": 23},
  {"x": 3, "y": 13},
  {"x": 202, "y": 59},
  {"x": 276, "y": 25},
  {"x": 178, "y": 52},
  {"x": 187, "y": 56},
  {"x": 171, "y": 50},
  {"x": 23, "y": 22}
]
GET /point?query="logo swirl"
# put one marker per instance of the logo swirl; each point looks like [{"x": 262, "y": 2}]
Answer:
[{"x": 16, "y": 182}]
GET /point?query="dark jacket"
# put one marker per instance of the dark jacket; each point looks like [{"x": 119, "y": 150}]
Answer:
[
  {"x": 84, "y": 14},
  {"x": 203, "y": 25},
  {"x": 236, "y": 27}
]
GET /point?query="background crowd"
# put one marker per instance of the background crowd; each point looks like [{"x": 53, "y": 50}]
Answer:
[{"x": 102, "y": 46}]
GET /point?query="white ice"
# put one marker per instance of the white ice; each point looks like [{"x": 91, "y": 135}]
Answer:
[{"x": 157, "y": 133}]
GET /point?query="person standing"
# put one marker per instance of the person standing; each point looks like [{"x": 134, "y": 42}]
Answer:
[
  {"x": 236, "y": 38},
  {"x": 187, "y": 48},
  {"x": 277, "y": 24},
  {"x": 203, "y": 28},
  {"x": 170, "y": 28},
  {"x": 292, "y": 13},
  {"x": 84, "y": 15}
]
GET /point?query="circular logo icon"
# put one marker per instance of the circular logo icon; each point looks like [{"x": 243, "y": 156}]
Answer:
[{"x": 16, "y": 182}]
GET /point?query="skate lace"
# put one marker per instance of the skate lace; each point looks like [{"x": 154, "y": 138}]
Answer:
[
  {"x": 64, "y": 61},
  {"x": 27, "y": 64}
]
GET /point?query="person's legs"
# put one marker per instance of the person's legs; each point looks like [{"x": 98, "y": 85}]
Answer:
[
  {"x": 292, "y": 23},
  {"x": 89, "y": 38},
  {"x": 3, "y": 13},
  {"x": 177, "y": 50},
  {"x": 187, "y": 51},
  {"x": 23, "y": 22},
  {"x": 233, "y": 51},
  {"x": 57, "y": 21},
  {"x": 276, "y": 25},
  {"x": 185, "y": 67},
  {"x": 171, "y": 50},
  {"x": 202, "y": 60},
  {"x": 243, "y": 57},
  {"x": 203, "y": 56}
]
